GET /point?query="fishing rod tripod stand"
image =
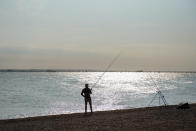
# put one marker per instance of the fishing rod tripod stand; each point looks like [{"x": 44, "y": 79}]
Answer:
[{"x": 161, "y": 97}]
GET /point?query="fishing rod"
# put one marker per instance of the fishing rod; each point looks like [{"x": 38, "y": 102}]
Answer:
[
  {"x": 158, "y": 93},
  {"x": 108, "y": 67}
]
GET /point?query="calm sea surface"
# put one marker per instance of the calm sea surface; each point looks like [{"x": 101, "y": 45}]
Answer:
[{"x": 24, "y": 94}]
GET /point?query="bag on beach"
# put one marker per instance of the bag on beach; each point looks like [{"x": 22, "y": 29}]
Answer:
[{"x": 183, "y": 106}]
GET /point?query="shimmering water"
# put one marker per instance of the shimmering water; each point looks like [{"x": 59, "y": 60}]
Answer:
[{"x": 24, "y": 94}]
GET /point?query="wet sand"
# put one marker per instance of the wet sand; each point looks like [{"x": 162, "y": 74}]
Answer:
[{"x": 152, "y": 118}]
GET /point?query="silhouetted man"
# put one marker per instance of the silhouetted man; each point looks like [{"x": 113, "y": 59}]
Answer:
[{"x": 87, "y": 98}]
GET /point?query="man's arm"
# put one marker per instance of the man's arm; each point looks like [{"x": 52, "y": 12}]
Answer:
[
  {"x": 82, "y": 93},
  {"x": 91, "y": 91}
]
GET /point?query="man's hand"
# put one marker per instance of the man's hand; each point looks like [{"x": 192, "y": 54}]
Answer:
[{"x": 82, "y": 94}]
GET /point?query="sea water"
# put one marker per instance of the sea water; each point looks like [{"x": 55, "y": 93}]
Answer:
[{"x": 27, "y": 94}]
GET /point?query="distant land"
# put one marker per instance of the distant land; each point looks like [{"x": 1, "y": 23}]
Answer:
[{"x": 82, "y": 70}]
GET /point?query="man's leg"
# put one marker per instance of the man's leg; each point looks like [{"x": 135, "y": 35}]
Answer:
[
  {"x": 90, "y": 103},
  {"x": 85, "y": 106}
]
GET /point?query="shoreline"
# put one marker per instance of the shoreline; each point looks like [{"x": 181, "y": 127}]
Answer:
[{"x": 149, "y": 118}]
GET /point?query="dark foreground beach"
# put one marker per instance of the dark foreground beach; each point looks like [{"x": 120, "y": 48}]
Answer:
[{"x": 153, "y": 118}]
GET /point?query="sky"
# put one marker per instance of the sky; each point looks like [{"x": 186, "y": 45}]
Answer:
[{"x": 156, "y": 35}]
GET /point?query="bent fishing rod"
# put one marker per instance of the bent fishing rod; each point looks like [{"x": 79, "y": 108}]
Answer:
[{"x": 108, "y": 67}]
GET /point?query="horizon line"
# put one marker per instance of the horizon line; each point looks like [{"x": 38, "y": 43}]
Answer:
[{"x": 87, "y": 70}]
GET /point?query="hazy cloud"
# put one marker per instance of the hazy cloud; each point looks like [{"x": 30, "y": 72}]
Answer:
[{"x": 31, "y": 7}]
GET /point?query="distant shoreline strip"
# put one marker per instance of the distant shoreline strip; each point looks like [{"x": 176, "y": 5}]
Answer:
[{"x": 81, "y": 70}]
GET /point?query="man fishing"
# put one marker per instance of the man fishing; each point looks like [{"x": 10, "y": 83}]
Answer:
[{"x": 87, "y": 98}]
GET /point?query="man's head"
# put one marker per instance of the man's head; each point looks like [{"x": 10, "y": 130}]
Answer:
[{"x": 86, "y": 85}]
